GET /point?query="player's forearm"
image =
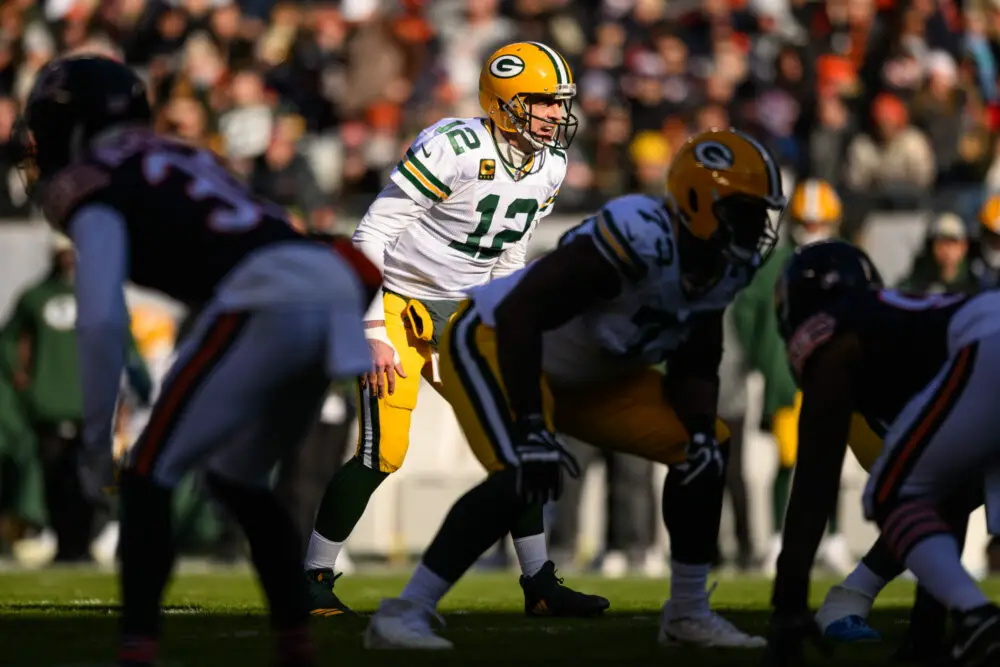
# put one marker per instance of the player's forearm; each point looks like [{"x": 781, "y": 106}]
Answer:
[
  {"x": 101, "y": 367},
  {"x": 823, "y": 428},
  {"x": 102, "y": 323},
  {"x": 519, "y": 354}
]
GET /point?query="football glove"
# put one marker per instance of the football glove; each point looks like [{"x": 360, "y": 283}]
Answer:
[
  {"x": 703, "y": 458},
  {"x": 790, "y": 631},
  {"x": 540, "y": 460}
]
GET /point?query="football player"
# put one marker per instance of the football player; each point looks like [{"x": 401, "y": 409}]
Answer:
[
  {"x": 281, "y": 318},
  {"x": 903, "y": 364},
  {"x": 568, "y": 344},
  {"x": 458, "y": 211}
]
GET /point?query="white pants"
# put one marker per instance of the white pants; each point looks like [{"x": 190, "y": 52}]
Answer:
[
  {"x": 251, "y": 377},
  {"x": 946, "y": 440}
]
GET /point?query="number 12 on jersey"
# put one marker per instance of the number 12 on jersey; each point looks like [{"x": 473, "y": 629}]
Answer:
[{"x": 487, "y": 208}]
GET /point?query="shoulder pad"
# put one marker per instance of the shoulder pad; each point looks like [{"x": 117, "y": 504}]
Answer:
[
  {"x": 635, "y": 233},
  {"x": 70, "y": 188},
  {"x": 432, "y": 166}
]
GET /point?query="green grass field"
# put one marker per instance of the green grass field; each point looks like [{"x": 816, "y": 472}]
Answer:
[{"x": 68, "y": 618}]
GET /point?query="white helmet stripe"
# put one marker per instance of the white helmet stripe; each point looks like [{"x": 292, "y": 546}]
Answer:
[
  {"x": 773, "y": 175},
  {"x": 562, "y": 76}
]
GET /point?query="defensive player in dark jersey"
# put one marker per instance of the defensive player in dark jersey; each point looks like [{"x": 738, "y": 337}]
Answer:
[
  {"x": 280, "y": 318},
  {"x": 902, "y": 363}
]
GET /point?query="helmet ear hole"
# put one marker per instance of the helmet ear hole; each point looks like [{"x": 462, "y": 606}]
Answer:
[{"x": 693, "y": 200}]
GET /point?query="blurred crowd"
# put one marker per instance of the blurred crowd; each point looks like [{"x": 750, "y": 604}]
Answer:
[
  {"x": 869, "y": 105},
  {"x": 314, "y": 102}
]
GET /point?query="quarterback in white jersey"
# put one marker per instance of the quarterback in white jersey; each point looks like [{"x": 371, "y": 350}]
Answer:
[
  {"x": 568, "y": 344},
  {"x": 457, "y": 213}
]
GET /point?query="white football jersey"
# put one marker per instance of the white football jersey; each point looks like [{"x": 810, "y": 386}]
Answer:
[
  {"x": 476, "y": 209},
  {"x": 648, "y": 320}
]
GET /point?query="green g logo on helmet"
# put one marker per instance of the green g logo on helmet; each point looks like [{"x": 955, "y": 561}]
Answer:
[{"x": 506, "y": 66}]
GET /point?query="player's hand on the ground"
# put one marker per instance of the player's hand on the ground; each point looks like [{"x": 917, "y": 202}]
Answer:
[
  {"x": 789, "y": 633},
  {"x": 703, "y": 458},
  {"x": 541, "y": 458},
  {"x": 385, "y": 367}
]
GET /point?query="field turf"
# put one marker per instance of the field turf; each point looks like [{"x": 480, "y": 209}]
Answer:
[{"x": 67, "y": 618}]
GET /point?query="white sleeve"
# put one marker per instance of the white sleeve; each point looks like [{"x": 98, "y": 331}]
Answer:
[
  {"x": 101, "y": 239},
  {"x": 391, "y": 212}
]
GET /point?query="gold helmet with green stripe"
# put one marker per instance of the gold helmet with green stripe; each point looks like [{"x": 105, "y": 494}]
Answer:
[{"x": 522, "y": 76}]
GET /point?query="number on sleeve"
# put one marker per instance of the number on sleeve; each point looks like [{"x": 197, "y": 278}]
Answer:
[
  {"x": 461, "y": 139},
  {"x": 235, "y": 212}
]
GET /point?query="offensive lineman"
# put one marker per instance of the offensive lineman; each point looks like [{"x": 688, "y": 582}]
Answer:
[
  {"x": 568, "y": 344},
  {"x": 282, "y": 318},
  {"x": 904, "y": 364},
  {"x": 458, "y": 211}
]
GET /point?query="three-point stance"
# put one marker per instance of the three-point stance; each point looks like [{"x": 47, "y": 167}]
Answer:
[
  {"x": 875, "y": 361},
  {"x": 568, "y": 343},
  {"x": 281, "y": 318}
]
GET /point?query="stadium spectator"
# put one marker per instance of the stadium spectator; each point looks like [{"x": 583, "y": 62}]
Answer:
[
  {"x": 894, "y": 166},
  {"x": 944, "y": 268}
]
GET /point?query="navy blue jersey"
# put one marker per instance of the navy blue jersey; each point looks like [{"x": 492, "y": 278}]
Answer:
[
  {"x": 189, "y": 221},
  {"x": 904, "y": 343}
]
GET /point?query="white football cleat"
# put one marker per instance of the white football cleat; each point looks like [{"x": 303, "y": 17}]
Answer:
[
  {"x": 104, "y": 548},
  {"x": 402, "y": 624},
  {"x": 770, "y": 565},
  {"x": 615, "y": 565},
  {"x": 655, "y": 564},
  {"x": 38, "y": 551},
  {"x": 702, "y": 629},
  {"x": 835, "y": 555}
]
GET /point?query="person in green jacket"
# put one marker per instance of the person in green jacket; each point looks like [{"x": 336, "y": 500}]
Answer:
[
  {"x": 813, "y": 214},
  {"x": 45, "y": 374}
]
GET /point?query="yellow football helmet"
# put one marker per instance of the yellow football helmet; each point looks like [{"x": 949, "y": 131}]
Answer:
[
  {"x": 517, "y": 76},
  {"x": 814, "y": 201},
  {"x": 989, "y": 215},
  {"x": 154, "y": 330},
  {"x": 725, "y": 188},
  {"x": 815, "y": 211}
]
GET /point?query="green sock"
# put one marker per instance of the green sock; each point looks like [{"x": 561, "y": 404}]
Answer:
[
  {"x": 346, "y": 498},
  {"x": 779, "y": 497},
  {"x": 532, "y": 522}
]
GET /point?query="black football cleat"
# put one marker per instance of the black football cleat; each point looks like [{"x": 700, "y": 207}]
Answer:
[
  {"x": 977, "y": 637},
  {"x": 322, "y": 600},
  {"x": 545, "y": 595}
]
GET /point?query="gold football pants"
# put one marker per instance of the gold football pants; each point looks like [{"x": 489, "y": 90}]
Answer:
[
  {"x": 630, "y": 414},
  {"x": 864, "y": 443},
  {"x": 384, "y": 423}
]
